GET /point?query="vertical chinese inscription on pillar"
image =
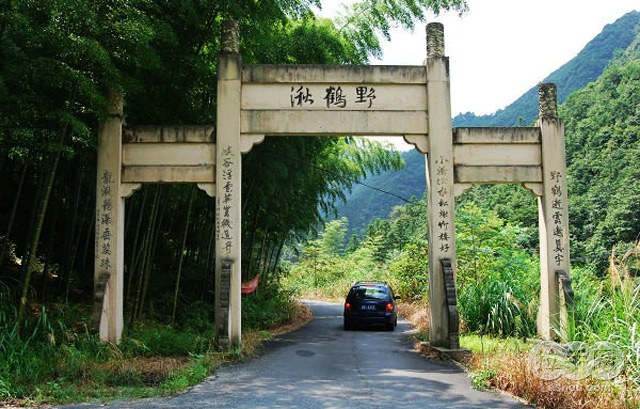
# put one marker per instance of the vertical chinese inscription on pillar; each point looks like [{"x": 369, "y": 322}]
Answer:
[
  {"x": 105, "y": 222},
  {"x": 557, "y": 207},
  {"x": 443, "y": 208},
  {"x": 226, "y": 227}
]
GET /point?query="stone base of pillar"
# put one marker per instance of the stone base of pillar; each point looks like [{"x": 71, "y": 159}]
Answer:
[
  {"x": 222, "y": 315},
  {"x": 444, "y": 354}
]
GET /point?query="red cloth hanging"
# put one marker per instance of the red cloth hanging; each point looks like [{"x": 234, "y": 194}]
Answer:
[{"x": 250, "y": 286}]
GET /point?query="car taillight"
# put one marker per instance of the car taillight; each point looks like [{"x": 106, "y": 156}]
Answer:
[
  {"x": 347, "y": 307},
  {"x": 389, "y": 307}
]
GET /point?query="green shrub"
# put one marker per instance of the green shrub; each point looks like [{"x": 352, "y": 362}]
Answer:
[
  {"x": 609, "y": 310},
  {"x": 268, "y": 307},
  {"x": 482, "y": 379},
  {"x": 29, "y": 359},
  {"x": 498, "y": 280},
  {"x": 152, "y": 339},
  {"x": 197, "y": 318},
  {"x": 410, "y": 273}
]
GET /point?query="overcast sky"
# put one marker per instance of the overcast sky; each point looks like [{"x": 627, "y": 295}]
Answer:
[{"x": 501, "y": 48}]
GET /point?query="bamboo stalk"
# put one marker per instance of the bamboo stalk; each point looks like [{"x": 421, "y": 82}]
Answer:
[
  {"x": 152, "y": 251},
  {"x": 134, "y": 248},
  {"x": 12, "y": 217},
  {"x": 38, "y": 230},
  {"x": 182, "y": 254}
]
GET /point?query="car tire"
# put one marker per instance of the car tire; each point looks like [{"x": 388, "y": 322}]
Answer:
[
  {"x": 391, "y": 327},
  {"x": 347, "y": 327}
]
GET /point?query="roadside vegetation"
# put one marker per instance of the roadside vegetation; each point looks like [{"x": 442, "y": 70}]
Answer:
[
  {"x": 56, "y": 357},
  {"x": 498, "y": 291}
]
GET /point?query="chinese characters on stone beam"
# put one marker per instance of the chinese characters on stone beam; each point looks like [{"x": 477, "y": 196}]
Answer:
[
  {"x": 557, "y": 207},
  {"x": 334, "y": 96},
  {"x": 444, "y": 218},
  {"x": 104, "y": 221},
  {"x": 227, "y": 177}
]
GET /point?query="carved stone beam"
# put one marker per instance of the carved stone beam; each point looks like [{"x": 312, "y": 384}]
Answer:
[
  {"x": 420, "y": 142},
  {"x": 247, "y": 141}
]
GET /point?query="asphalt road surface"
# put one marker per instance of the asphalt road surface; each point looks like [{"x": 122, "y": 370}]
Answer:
[{"x": 322, "y": 366}]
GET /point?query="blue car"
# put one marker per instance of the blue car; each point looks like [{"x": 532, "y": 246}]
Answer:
[{"x": 370, "y": 303}]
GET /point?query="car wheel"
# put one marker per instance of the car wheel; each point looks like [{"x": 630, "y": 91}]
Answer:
[
  {"x": 347, "y": 327},
  {"x": 391, "y": 327}
]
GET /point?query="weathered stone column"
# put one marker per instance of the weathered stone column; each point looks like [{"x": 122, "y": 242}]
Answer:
[
  {"x": 109, "y": 240},
  {"x": 228, "y": 186},
  {"x": 553, "y": 215},
  {"x": 440, "y": 196}
]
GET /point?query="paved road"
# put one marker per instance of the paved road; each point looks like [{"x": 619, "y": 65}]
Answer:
[{"x": 322, "y": 366}]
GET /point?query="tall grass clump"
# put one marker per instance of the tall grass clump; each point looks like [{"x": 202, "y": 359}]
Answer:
[
  {"x": 25, "y": 359},
  {"x": 268, "y": 307},
  {"x": 325, "y": 274},
  {"x": 497, "y": 277},
  {"x": 609, "y": 310},
  {"x": 30, "y": 356}
]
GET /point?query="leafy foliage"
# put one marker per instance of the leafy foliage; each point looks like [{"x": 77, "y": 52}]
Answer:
[
  {"x": 364, "y": 18},
  {"x": 497, "y": 276},
  {"x": 602, "y": 127},
  {"x": 269, "y": 307},
  {"x": 410, "y": 273}
]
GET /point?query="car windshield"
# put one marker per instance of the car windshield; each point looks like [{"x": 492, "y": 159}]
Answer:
[{"x": 375, "y": 293}]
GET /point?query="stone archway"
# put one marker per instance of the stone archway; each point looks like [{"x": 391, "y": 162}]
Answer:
[{"x": 294, "y": 100}]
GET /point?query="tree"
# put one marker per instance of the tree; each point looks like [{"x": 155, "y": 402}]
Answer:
[
  {"x": 602, "y": 125},
  {"x": 333, "y": 235}
]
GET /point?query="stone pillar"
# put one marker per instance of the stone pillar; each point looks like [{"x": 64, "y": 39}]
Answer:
[
  {"x": 109, "y": 240},
  {"x": 228, "y": 186},
  {"x": 553, "y": 215},
  {"x": 440, "y": 196}
]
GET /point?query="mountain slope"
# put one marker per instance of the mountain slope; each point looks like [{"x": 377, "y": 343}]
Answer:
[
  {"x": 602, "y": 123},
  {"x": 364, "y": 204},
  {"x": 577, "y": 73}
]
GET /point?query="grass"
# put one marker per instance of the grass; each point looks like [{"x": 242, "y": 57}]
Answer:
[
  {"x": 607, "y": 312},
  {"x": 57, "y": 360},
  {"x": 479, "y": 344},
  {"x": 504, "y": 363},
  {"x": 510, "y": 371}
]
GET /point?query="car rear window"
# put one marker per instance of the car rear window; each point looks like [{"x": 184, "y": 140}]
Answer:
[{"x": 372, "y": 293}]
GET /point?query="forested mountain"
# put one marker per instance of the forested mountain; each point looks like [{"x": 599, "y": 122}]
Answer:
[
  {"x": 581, "y": 70},
  {"x": 365, "y": 204},
  {"x": 602, "y": 124}
]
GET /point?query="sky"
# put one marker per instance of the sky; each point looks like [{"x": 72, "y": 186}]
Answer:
[{"x": 501, "y": 48}]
